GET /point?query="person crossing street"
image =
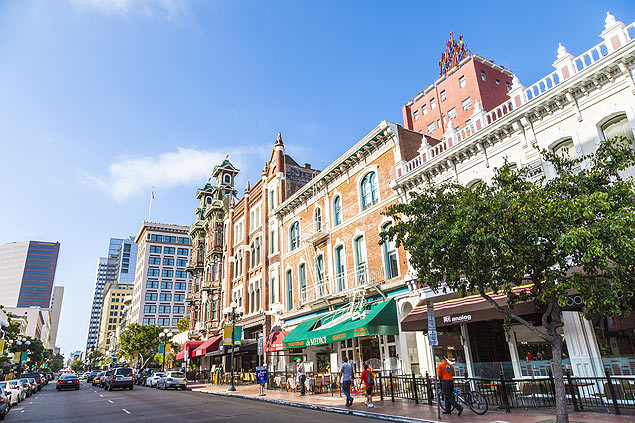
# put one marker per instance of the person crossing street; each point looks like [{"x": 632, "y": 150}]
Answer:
[{"x": 445, "y": 373}]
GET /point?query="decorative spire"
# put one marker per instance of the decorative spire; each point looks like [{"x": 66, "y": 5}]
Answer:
[
  {"x": 248, "y": 187},
  {"x": 264, "y": 170},
  {"x": 562, "y": 51},
  {"x": 609, "y": 21},
  {"x": 279, "y": 139}
]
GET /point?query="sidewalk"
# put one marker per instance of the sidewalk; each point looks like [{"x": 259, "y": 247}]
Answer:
[{"x": 402, "y": 410}]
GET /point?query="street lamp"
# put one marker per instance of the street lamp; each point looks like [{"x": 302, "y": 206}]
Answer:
[
  {"x": 19, "y": 342},
  {"x": 166, "y": 335},
  {"x": 234, "y": 313}
]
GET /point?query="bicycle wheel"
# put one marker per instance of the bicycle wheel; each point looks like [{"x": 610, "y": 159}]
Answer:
[
  {"x": 441, "y": 399},
  {"x": 478, "y": 403}
]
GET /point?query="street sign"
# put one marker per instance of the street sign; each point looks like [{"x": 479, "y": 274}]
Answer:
[
  {"x": 261, "y": 375},
  {"x": 433, "y": 339},
  {"x": 261, "y": 346},
  {"x": 161, "y": 348}
]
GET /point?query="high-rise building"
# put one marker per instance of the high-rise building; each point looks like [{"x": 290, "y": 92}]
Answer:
[
  {"x": 161, "y": 281},
  {"x": 117, "y": 267},
  {"x": 56, "y": 311},
  {"x": 27, "y": 272},
  {"x": 113, "y": 305}
]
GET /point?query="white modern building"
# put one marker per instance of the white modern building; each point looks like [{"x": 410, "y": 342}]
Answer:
[
  {"x": 585, "y": 100},
  {"x": 161, "y": 282}
]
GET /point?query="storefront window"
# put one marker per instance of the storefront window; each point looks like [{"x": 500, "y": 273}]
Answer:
[
  {"x": 534, "y": 353},
  {"x": 450, "y": 346},
  {"x": 489, "y": 350},
  {"x": 616, "y": 341}
]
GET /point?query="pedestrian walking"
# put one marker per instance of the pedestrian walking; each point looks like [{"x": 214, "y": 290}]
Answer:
[
  {"x": 369, "y": 383},
  {"x": 445, "y": 373},
  {"x": 301, "y": 376},
  {"x": 347, "y": 380}
]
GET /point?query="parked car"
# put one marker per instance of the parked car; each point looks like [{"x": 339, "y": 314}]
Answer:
[
  {"x": 107, "y": 374},
  {"x": 121, "y": 377},
  {"x": 33, "y": 384},
  {"x": 37, "y": 377},
  {"x": 97, "y": 379},
  {"x": 27, "y": 386},
  {"x": 45, "y": 380},
  {"x": 152, "y": 379},
  {"x": 68, "y": 382},
  {"x": 90, "y": 376},
  {"x": 142, "y": 376},
  {"x": 173, "y": 379},
  {"x": 5, "y": 404},
  {"x": 11, "y": 390},
  {"x": 21, "y": 389}
]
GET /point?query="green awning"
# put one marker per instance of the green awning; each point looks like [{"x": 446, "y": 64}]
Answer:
[{"x": 378, "y": 318}]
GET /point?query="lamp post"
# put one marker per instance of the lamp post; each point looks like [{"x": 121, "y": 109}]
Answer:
[
  {"x": 165, "y": 336},
  {"x": 19, "y": 343},
  {"x": 234, "y": 313}
]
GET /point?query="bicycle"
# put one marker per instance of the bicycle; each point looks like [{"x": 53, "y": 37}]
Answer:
[{"x": 473, "y": 399}]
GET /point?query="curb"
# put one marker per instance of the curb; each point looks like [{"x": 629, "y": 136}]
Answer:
[{"x": 325, "y": 408}]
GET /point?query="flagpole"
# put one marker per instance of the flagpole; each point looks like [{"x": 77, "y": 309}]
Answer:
[{"x": 150, "y": 210}]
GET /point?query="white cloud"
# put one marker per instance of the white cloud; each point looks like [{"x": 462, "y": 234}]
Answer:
[
  {"x": 131, "y": 176},
  {"x": 170, "y": 8}
]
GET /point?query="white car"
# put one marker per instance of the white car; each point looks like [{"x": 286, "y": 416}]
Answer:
[
  {"x": 23, "y": 392},
  {"x": 12, "y": 391},
  {"x": 153, "y": 379},
  {"x": 174, "y": 380}
]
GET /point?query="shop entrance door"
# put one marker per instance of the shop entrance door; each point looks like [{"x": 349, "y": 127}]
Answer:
[{"x": 370, "y": 352}]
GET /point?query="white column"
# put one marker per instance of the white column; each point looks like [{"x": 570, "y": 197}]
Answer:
[
  {"x": 581, "y": 345},
  {"x": 425, "y": 353},
  {"x": 510, "y": 337},
  {"x": 466, "y": 348}
]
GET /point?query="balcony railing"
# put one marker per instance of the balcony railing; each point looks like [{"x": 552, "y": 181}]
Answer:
[{"x": 342, "y": 283}]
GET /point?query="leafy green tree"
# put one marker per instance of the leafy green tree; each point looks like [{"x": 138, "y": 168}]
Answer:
[
  {"x": 139, "y": 342},
  {"x": 183, "y": 324},
  {"x": 77, "y": 365},
  {"x": 574, "y": 233},
  {"x": 94, "y": 357},
  {"x": 56, "y": 363}
]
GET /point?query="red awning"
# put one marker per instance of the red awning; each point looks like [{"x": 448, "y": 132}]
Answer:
[
  {"x": 190, "y": 346},
  {"x": 208, "y": 346},
  {"x": 274, "y": 343}
]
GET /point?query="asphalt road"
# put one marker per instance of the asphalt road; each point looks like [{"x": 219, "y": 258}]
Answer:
[{"x": 94, "y": 405}]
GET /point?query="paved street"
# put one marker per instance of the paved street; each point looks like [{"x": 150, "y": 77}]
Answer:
[{"x": 95, "y": 405}]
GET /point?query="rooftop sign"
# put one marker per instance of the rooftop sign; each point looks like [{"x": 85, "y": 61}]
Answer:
[{"x": 454, "y": 53}]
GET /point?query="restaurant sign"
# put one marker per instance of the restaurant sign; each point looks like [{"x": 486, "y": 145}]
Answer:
[
  {"x": 326, "y": 339},
  {"x": 457, "y": 319}
]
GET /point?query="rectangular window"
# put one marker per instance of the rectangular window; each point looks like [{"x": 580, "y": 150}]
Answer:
[
  {"x": 289, "y": 290},
  {"x": 151, "y": 296},
  {"x": 498, "y": 82},
  {"x": 183, "y": 252},
  {"x": 164, "y": 309},
  {"x": 168, "y": 261},
  {"x": 149, "y": 309},
  {"x": 153, "y": 272},
  {"x": 164, "y": 321},
  {"x": 431, "y": 128},
  {"x": 168, "y": 250},
  {"x": 179, "y": 285},
  {"x": 171, "y": 239},
  {"x": 509, "y": 86},
  {"x": 415, "y": 115},
  {"x": 184, "y": 240},
  {"x": 442, "y": 94},
  {"x": 181, "y": 274},
  {"x": 339, "y": 268},
  {"x": 148, "y": 320},
  {"x": 462, "y": 81},
  {"x": 167, "y": 273},
  {"x": 152, "y": 284},
  {"x": 360, "y": 260},
  {"x": 179, "y": 309},
  {"x": 165, "y": 297},
  {"x": 424, "y": 110},
  {"x": 273, "y": 288},
  {"x": 166, "y": 285},
  {"x": 179, "y": 297},
  {"x": 254, "y": 219},
  {"x": 156, "y": 238},
  {"x": 433, "y": 103},
  {"x": 155, "y": 249},
  {"x": 452, "y": 113},
  {"x": 175, "y": 320},
  {"x": 181, "y": 263},
  {"x": 483, "y": 76},
  {"x": 302, "y": 276},
  {"x": 466, "y": 104}
]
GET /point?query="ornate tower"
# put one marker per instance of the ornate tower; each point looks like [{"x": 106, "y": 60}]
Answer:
[{"x": 207, "y": 251}]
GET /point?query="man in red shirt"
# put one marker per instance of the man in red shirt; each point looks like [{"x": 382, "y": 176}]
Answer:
[
  {"x": 445, "y": 373},
  {"x": 369, "y": 383}
]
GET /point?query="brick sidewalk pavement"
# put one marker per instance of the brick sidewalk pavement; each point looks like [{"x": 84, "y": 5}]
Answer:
[{"x": 403, "y": 410}]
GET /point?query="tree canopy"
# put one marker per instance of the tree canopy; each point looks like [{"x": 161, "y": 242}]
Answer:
[
  {"x": 573, "y": 233},
  {"x": 139, "y": 339},
  {"x": 77, "y": 365}
]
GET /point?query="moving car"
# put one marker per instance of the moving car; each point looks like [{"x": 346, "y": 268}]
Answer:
[
  {"x": 97, "y": 379},
  {"x": 152, "y": 379},
  {"x": 121, "y": 377},
  {"x": 174, "y": 380},
  {"x": 11, "y": 390},
  {"x": 90, "y": 376},
  {"x": 4, "y": 404},
  {"x": 102, "y": 380},
  {"x": 68, "y": 382}
]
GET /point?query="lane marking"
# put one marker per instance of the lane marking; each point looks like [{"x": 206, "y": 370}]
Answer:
[
  {"x": 127, "y": 412},
  {"x": 113, "y": 402},
  {"x": 101, "y": 395},
  {"x": 22, "y": 411}
]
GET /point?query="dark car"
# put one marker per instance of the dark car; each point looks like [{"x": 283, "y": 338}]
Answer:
[
  {"x": 37, "y": 377},
  {"x": 4, "y": 405},
  {"x": 68, "y": 382},
  {"x": 121, "y": 377},
  {"x": 140, "y": 379},
  {"x": 90, "y": 376}
]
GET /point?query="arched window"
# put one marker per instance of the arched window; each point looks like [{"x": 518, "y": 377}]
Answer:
[
  {"x": 294, "y": 236},
  {"x": 618, "y": 127},
  {"x": 227, "y": 178},
  {"x": 368, "y": 190},
  {"x": 565, "y": 149},
  {"x": 302, "y": 277},
  {"x": 337, "y": 210},
  {"x": 339, "y": 268},
  {"x": 317, "y": 220},
  {"x": 360, "y": 259},
  {"x": 390, "y": 256}
]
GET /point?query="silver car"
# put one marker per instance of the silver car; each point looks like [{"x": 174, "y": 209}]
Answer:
[
  {"x": 174, "y": 380},
  {"x": 154, "y": 378}
]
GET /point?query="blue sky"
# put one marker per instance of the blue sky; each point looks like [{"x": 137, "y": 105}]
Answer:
[{"x": 102, "y": 99}]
